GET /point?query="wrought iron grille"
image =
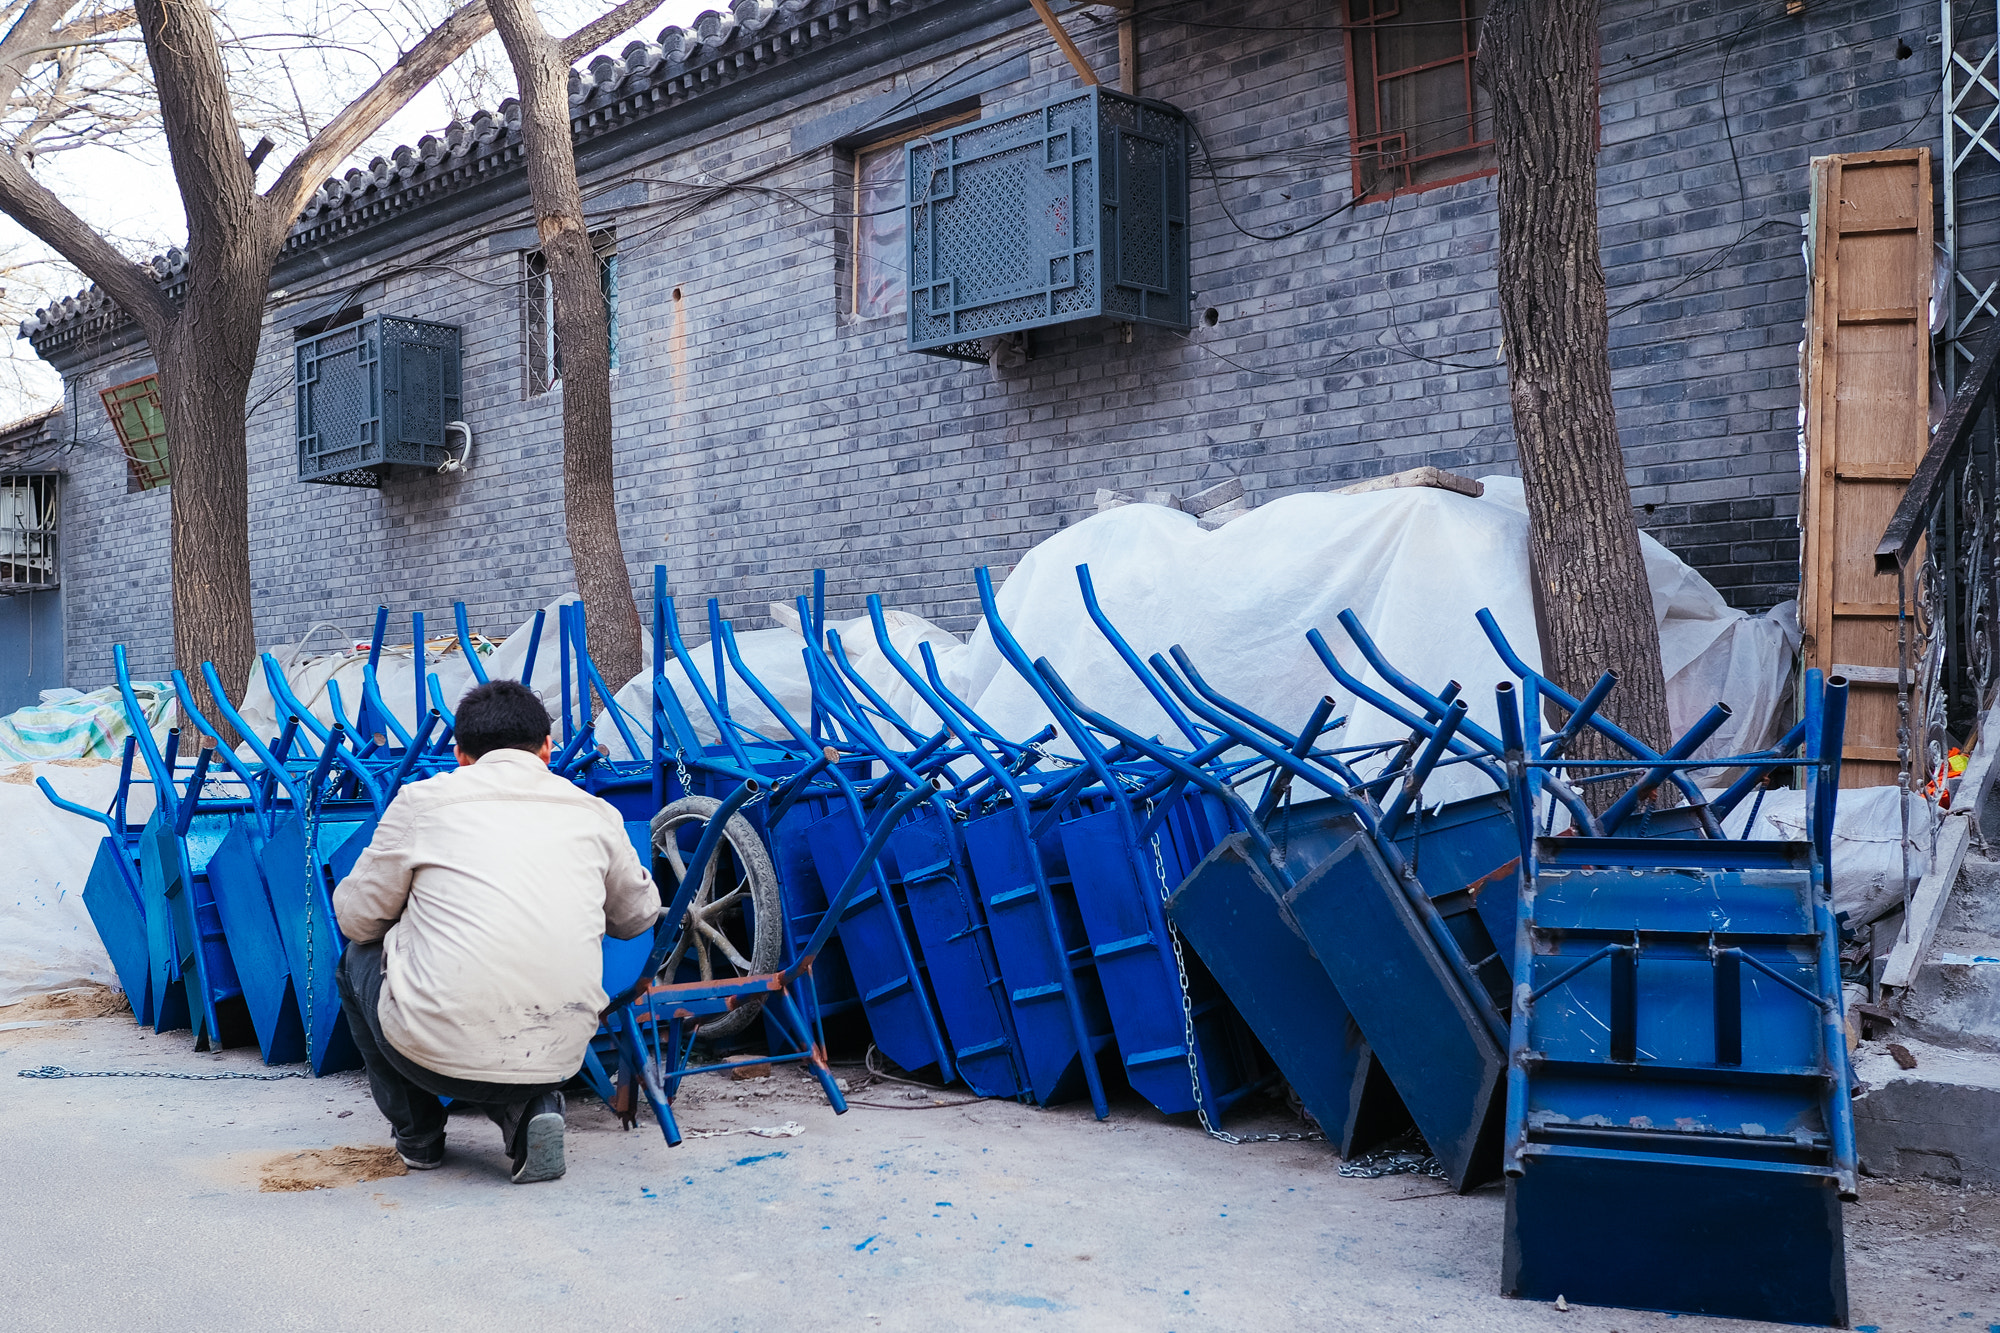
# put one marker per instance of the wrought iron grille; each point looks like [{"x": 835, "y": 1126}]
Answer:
[
  {"x": 29, "y": 515},
  {"x": 1075, "y": 210},
  {"x": 375, "y": 395}
]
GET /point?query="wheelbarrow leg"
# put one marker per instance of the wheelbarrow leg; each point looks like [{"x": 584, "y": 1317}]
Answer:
[
  {"x": 632, "y": 1053},
  {"x": 793, "y": 1022}
]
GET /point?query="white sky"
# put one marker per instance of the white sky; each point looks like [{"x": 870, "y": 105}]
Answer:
[{"x": 286, "y": 64}]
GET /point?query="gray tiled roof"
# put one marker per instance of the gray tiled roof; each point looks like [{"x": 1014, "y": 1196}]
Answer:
[{"x": 719, "y": 48}]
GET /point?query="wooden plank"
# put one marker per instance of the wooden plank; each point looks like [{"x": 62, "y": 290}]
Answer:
[
  {"x": 1895, "y": 315},
  {"x": 1076, "y": 60},
  {"x": 1435, "y": 478},
  {"x": 1927, "y": 903},
  {"x": 1868, "y": 753},
  {"x": 1856, "y": 675},
  {"x": 1867, "y": 398}
]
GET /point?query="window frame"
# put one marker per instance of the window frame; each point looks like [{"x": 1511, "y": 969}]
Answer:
[
  {"x": 148, "y": 457},
  {"x": 42, "y": 543},
  {"x": 852, "y": 306},
  {"x": 541, "y": 353},
  {"x": 1362, "y": 150}
]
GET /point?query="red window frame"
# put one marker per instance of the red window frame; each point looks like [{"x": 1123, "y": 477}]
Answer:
[
  {"x": 141, "y": 424},
  {"x": 1375, "y": 170}
]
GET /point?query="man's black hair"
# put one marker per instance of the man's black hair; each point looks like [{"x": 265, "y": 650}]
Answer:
[{"x": 501, "y": 715}]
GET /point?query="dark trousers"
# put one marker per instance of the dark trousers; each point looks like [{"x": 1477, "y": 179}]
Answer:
[{"x": 405, "y": 1091}]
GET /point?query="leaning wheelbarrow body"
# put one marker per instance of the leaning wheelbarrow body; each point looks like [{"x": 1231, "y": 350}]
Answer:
[
  {"x": 1677, "y": 1053},
  {"x": 1155, "y": 994},
  {"x": 1044, "y": 956},
  {"x": 1232, "y": 912}
]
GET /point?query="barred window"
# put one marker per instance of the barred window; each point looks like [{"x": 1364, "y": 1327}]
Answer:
[
  {"x": 141, "y": 424},
  {"x": 28, "y": 516},
  {"x": 1418, "y": 118},
  {"x": 539, "y": 309}
]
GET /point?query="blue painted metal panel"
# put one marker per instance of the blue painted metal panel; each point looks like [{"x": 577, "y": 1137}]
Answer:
[
  {"x": 1044, "y": 955},
  {"x": 1233, "y": 915},
  {"x": 1426, "y": 1030},
  {"x": 313, "y": 950},
  {"x": 1686, "y": 1236},
  {"x": 958, "y": 955},
  {"x": 120, "y": 917},
  {"x": 1123, "y": 916},
  {"x": 243, "y": 905},
  {"x": 902, "y": 1015},
  {"x": 160, "y": 870},
  {"x": 1678, "y": 1050}
]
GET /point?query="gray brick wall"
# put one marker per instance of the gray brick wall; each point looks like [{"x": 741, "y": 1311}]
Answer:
[{"x": 761, "y": 431}]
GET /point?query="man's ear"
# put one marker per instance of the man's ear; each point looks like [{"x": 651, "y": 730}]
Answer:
[{"x": 548, "y": 749}]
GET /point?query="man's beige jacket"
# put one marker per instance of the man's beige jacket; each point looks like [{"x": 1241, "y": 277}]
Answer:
[{"x": 491, "y": 889}]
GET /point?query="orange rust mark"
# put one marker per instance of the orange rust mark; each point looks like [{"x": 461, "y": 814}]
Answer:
[{"x": 1472, "y": 889}]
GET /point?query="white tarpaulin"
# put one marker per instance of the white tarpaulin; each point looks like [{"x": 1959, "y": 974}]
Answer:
[
  {"x": 1867, "y": 867},
  {"x": 1414, "y": 565},
  {"x": 47, "y": 941}
]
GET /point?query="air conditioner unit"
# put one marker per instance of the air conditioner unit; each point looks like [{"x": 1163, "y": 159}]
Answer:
[
  {"x": 1074, "y": 211},
  {"x": 374, "y": 396}
]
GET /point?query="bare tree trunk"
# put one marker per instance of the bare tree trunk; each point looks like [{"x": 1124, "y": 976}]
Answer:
[
  {"x": 233, "y": 240},
  {"x": 206, "y": 347},
  {"x": 590, "y": 512},
  {"x": 1538, "y": 60}
]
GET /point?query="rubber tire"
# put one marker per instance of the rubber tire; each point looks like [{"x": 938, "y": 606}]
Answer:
[{"x": 766, "y": 903}]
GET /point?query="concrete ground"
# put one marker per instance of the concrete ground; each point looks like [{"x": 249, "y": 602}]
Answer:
[{"x": 137, "y": 1204}]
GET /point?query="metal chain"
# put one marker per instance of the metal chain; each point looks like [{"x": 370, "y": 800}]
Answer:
[
  {"x": 1187, "y": 1027},
  {"x": 1407, "y": 1155},
  {"x": 57, "y": 1071},
  {"x": 312, "y": 868},
  {"x": 681, "y": 771}
]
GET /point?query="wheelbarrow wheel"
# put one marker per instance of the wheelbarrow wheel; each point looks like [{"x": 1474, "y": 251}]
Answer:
[{"x": 734, "y": 925}]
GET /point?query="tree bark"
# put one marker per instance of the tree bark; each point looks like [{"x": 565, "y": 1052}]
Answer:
[
  {"x": 1538, "y": 61},
  {"x": 233, "y": 240},
  {"x": 205, "y": 349},
  {"x": 590, "y": 510}
]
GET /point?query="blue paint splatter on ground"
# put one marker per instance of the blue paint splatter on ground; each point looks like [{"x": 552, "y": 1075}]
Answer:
[
  {"x": 750, "y": 1161},
  {"x": 647, "y": 1193},
  {"x": 864, "y": 1244},
  {"x": 1017, "y": 1300}
]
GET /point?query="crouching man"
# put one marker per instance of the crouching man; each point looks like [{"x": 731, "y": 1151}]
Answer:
[{"x": 475, "y": 921}]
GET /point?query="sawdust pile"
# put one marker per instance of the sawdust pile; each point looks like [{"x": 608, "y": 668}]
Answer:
[
  {"x": 87, "y": 1001},
  {"x": 328, "y": 1168},
  {"x": 24, "y": 774}
]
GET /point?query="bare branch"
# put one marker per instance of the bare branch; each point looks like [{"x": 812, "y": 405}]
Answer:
[
  {"x": 606, "y": 26},
  {"x": 36, "y": 208},
  {"x": 28, "y": 35},
  {"x": 347, "y": 131},
  {"x": 94, "y": 25}
]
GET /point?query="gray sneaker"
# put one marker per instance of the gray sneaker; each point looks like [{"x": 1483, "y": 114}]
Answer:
[{"x": 539, "y": 1151}]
